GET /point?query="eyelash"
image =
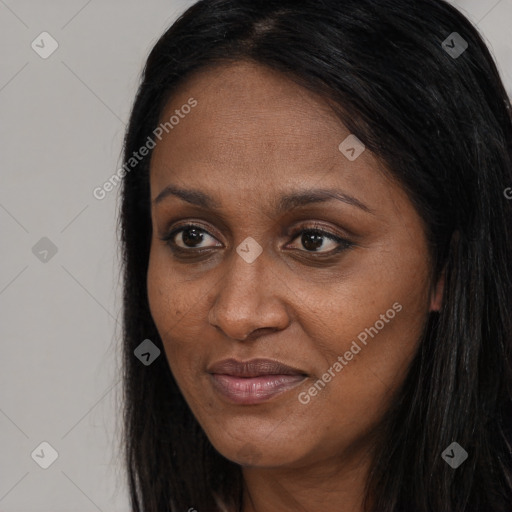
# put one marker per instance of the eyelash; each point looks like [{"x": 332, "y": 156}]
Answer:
[{"x": 343, "y": 243}]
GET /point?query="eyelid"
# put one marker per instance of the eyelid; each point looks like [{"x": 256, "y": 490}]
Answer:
[{"x": 320, "y": 228}]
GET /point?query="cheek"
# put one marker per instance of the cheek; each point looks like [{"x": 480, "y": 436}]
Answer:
[
  {"x": 374, "y": 323},
  {"x": 375, "y": 357},
  {"x": 171, "y": 299},
  {"x": 179, "y": 309},
  {"x": 168, "y": 301},
  {"x": 374, "y": 326}
]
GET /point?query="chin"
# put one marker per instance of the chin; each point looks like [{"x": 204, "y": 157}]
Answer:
[{"x": 258, "y": 453}]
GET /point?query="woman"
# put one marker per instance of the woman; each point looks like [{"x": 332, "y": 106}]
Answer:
[{"x": 317, "y": 240}]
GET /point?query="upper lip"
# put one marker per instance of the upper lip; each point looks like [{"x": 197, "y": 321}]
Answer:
[{"x": 253, "y": 368}]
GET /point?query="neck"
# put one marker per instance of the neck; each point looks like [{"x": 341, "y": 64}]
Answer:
[{"x": 338, "y": 484}]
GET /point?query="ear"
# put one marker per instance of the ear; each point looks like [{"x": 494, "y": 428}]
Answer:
[{"x": 436, "y": 296}]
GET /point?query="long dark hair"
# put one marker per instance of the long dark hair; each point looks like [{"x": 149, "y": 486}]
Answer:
[{"x": 442, "y": 124}]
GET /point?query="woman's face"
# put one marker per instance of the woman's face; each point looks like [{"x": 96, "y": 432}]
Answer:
[{"x": 254, "y": 278}]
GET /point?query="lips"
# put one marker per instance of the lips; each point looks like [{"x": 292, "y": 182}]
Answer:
[
  {"x": 253, "y": 368},
  {"x": 253, "y": 381}
]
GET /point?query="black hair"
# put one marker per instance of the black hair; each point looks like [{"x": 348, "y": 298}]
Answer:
[{"x": 442, "y": 124}]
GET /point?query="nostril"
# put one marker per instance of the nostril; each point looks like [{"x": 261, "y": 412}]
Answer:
[{"x": 259, "y": 332}]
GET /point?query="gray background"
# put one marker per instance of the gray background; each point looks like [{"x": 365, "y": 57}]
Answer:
[{"x": 62, "y": 122}]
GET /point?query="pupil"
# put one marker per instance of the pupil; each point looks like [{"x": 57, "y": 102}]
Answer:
[
  {"x": 312, "y": 241},
  {"x": 196, "y": 236}
]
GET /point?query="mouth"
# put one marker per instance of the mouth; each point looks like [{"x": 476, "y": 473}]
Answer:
[{"x": 253, "y": 381}]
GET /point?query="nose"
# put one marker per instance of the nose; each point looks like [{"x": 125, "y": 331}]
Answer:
[{"x": 250, "y": 300}]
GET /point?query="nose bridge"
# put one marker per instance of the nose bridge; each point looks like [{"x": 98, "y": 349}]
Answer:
[
  {"x": 246, "y": 298},
  {"x": 244, "y": 280}
]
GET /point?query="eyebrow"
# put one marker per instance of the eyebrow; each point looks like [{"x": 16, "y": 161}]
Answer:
[{"x": 285, "y": 202}]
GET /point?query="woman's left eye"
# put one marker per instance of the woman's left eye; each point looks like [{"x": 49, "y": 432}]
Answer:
[{"x": 312, "y": 239}]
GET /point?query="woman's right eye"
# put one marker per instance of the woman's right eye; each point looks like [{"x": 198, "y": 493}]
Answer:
[{"x": 188, "y": 237}]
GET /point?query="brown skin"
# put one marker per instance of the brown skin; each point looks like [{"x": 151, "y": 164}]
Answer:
[{"x": 253, "y": 136}]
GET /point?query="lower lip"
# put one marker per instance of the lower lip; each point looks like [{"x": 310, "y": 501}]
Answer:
[{"x": 254, "y": 390}]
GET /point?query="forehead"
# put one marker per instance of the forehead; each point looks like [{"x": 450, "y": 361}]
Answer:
[{"x": 254, "y": 130}]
